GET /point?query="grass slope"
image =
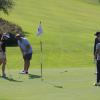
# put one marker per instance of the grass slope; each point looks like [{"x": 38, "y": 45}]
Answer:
[{"x": 68, "y": 27}]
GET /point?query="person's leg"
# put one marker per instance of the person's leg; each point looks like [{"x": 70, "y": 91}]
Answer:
[
  {"x": 98, "y": 71},
  {"x": 0, "y": 61},
  {"x": 26, "y": 65},
  {"x": 27, "y": 59},
  {"x": 3, "y": 68},
  {"x": 0, "y": 64}
]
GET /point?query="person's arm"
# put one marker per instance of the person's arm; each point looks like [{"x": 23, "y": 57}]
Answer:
[
  {"x": 20, "y": 47},
  {"x": 95, "y": 54},
  {"x": 27, "y": 47},
  {"x": 21, "y": 50},
  {"x": 3, "y": 46},
  {"x": 97, "y": 51},
  {"x": 95, "y": 42}
]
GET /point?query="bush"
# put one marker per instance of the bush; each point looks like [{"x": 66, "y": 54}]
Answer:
[{"x": 11, "y": 29}]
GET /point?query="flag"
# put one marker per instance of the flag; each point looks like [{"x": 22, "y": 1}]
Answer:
[{"x": 40, "y": 30}]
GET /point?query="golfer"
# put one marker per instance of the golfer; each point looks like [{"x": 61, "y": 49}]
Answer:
[
  {"x": 3, "y": 38},
  {"x": 26, "y": 50},
  {"x": 97, "y": 58},
  {"x": 97, "y": 34}
]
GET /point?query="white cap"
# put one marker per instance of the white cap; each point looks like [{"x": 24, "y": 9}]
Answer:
[{"x": 6, "y": 35}]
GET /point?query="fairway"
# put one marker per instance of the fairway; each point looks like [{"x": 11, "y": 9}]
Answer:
[
  {"x": 68, "y": 29},
  {"x": 77, "y": 84}
]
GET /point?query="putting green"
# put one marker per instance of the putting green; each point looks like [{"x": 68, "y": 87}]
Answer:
[{"x": 76, "y": 84}]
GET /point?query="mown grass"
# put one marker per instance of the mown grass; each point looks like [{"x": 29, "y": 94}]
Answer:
[
  {"x": 69, "y": 28},
  {"x": 77, "y": 84}
]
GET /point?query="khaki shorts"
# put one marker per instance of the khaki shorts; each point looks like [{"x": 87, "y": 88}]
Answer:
[{"x": 2, "y": 55}]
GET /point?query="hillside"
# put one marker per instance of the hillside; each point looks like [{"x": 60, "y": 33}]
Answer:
[{"x": 69, "y": 27}]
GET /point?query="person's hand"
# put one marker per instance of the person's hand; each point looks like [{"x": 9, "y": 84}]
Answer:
[{"x": 95, "y": 59}]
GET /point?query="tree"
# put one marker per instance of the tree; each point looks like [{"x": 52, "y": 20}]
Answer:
[{"x": 5, "y": 5}]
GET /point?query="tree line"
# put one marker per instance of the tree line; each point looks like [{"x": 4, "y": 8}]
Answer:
[{"x": 6, "y": 5}]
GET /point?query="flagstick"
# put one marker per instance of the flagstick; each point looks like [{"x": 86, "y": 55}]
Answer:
[
  {"x": 39, "y": 32},
  {"x": 41, "y": 59}
]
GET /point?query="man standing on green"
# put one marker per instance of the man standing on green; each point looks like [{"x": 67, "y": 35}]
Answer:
[
  {"x": 97, "y": 57},
  {"x": 26, "y": 50}
]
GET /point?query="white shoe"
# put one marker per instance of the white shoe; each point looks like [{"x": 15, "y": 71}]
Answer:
[
  {"x": 4, "y": 75},
  {"x": 97, "y": 84},
  {"x": 23, "y": 72}
]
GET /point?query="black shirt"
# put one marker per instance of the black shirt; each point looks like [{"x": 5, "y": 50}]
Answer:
[
  {"x": 3, "y": 46},
  {"x": 95, "y": 43}
]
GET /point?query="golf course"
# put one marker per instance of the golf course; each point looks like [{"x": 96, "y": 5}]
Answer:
[{"x": 68, "y": 66}]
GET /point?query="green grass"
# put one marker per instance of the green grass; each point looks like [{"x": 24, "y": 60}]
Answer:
[
  {"x": 77, "y": 84},
  {"x": 69, "y": 28}
]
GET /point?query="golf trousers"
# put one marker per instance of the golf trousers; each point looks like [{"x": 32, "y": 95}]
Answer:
[{"x": 98, "y": 71}]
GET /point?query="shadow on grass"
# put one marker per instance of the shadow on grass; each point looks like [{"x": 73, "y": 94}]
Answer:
[
  {"x": 10, "y": 79},
  {"x": 31, "y": 76}
]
